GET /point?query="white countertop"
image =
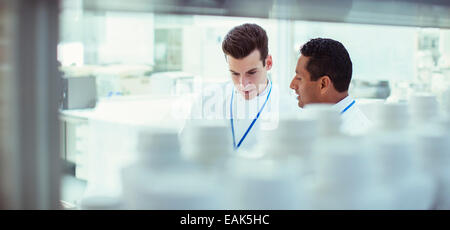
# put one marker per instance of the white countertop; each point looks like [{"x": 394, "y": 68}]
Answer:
[{"x": 139, "y": 110}]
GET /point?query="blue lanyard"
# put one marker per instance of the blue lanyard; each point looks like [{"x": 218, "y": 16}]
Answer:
[
  {"x": 348, "y": 107},
  {"x": 253, "y": 122}
]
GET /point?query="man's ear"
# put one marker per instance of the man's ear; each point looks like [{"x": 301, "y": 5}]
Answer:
[
  {"x": 325, "y": 84},
  {"x": 268, "y": 62}
]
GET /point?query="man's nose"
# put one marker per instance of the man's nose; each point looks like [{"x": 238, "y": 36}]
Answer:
[
  {"x": 292, "y": 85},
  {"x": 245, "y": 81}
]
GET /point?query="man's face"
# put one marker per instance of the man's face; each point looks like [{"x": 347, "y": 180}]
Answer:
[
  {"x": 248, "y": 74},
  {"x": 308, "y": 91}
]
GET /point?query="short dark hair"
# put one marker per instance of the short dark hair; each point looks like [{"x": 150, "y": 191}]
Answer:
[
  {"x": 243, "y": 39},
  {"x": 328, "y": 57}
]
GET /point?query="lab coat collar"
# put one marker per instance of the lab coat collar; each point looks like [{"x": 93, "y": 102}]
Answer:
[
  {"x": 341, "y": 105},
  {"x": 266, "y": 90}
]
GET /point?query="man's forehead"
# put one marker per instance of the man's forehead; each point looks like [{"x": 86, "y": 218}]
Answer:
[
  {"x": 245, "y": 60},
  {"x": 243, "y": 69},
  {"x": 238, "y": 66},
  {"x": 301, "y": 64},
  {"x": 303, "y": 60}
]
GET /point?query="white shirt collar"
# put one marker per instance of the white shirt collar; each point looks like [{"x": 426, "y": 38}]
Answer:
[
  {"x": 266, "y": 90},
  {"x": 342, "y": 104}
]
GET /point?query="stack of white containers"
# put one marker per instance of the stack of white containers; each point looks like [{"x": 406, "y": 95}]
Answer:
[
  {"x": 445, "y": 104},
  {"x": 291, "y": 142},
  {"x": 109, "y": 146},
  {"x": 345, "y": 179},
  {"x": 423, "y": 108},
  {"x": 275, "y": 178},
  {"x": 306, "y": 163},
  {"x": 432, "y": 142},
  {"x": 262, "y": 184},
  {"x": 161, "y": 180},
  {"x": 343, "y": 171},
  {"x": 206, "y": 143},
  {"x": 328, "y": 124},
  {"x": 394, "y": 152},
  {"x": 443, "y": 200}
]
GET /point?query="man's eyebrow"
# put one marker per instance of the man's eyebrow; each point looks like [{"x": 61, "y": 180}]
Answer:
[
  {"x": 254, "y": 69},
  {"x": 233, "y": 71}
]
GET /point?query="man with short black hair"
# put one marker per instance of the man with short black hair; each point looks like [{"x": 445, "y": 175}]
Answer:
[{"x": 322, "y": 75}]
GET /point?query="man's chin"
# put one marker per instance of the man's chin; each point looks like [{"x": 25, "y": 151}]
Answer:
[{"x": 248, "y": 96}]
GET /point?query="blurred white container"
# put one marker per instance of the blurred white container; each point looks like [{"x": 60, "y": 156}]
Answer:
[
  {"x": 169, "y": 189},
  {"x": 110, "y": 147},
  {"x": 435, "y": 158},
  {"x": 206, "y": 144},
  {"x": 442, "y": 201},
  {"x": 345, "y": 177},
  {"x": 445, "y": 103},
  {"x": 329, "y": 120},
  {"x": 424, "y": 108},
  {"x": 158, "y": 148},
  {"x": 291, "y": 143},
  {"x": 263, "y": 184},
  {"x": 430, "y": 129},
  {"x": 394, "y": 152},
  {"x": 101, "y": 203},
  {"x": 160, "y": 179},
  {"x": 433, "y": 146}
]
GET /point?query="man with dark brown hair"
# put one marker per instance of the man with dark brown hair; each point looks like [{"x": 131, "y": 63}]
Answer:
[
  {"x": 246, "y": 50},
  {"x": 247, "y": 53},
  {"x": 248, "y": 102}
]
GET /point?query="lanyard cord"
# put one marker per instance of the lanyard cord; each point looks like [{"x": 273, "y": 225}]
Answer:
[
  {"x": 253, "y": 122},
  {"x": 348, "y": 107}
]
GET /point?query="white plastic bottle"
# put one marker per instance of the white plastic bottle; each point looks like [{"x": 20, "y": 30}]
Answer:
[
  {"x": 206, "y": 143},
  {"x": 160, "y": 179},
  {"x": 433, "y": 144},
  {"x": 207, "y": 146},
  {"x": 435, "y": 160},
  {"x": 393, "y": 149},
  {"x": 344, "y": 179},
  {"x": 262, "y": 184},
  {"x": 282, "y": 167},
  {"x": 328, "y": 122},
  {"x": 424, "y": 110},
  {"x": 291, "y": 143}
]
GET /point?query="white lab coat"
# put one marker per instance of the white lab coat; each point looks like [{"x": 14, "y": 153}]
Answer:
[
  {"x": 213, "y": 105},
  {"x": 354, "y": 122}
]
